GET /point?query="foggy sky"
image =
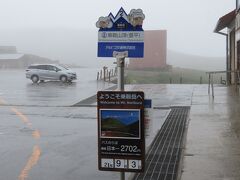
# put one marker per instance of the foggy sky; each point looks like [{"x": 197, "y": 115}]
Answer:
[{"x": 65, "y": 29}]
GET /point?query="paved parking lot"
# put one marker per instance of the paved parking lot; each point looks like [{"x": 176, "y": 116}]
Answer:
[{"x": 42, "y": 137}]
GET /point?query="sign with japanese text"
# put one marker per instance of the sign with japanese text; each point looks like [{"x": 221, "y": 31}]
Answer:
[
  {"x": 122, "y": 33},
  {"x": 121, "y": 142}
]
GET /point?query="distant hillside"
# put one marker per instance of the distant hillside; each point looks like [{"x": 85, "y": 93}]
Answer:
[
  {"x": 111, "y": 123},
  {"x": 189, "y": 61},
  {"x": 113, "y": 127},
  {"x": 173, "y": 75}
]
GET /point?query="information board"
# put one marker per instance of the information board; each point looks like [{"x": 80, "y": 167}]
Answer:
[
  {"x": 121, "y": 33},
  {"x": 121, "y": 142}
]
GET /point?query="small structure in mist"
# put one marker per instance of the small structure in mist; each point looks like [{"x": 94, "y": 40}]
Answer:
[
  {"x": 11, "y": 59},
  {"x": 155, "y": 51}
]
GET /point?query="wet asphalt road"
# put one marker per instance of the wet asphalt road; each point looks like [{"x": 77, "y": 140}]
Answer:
[{"x": 42, "y": 137}]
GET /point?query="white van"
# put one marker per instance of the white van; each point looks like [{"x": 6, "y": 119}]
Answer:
[{"x": 41, "y": 72}]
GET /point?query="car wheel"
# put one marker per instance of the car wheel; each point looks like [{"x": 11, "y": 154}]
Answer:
[
  {"x": 63, "y": 78},
  {"x": 34, "y": 78}
]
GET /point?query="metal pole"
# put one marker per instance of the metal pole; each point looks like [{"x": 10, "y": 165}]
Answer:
[
  {"x": 209, "y": 77},
  {"x": 235, "y": 74},
  {"x": 104, "y": 73},
  {"x": 212, "y": 85},
  {"x": 237, "y": 81},
  {"x": 227, "y": 57},
  {"x": 227, "y": 63},
  {"x": 122, "y": 176},
  {"x": 120, "y": 68}
]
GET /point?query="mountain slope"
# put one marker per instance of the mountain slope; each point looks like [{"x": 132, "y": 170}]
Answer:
[{"x": 189, "y": 61}]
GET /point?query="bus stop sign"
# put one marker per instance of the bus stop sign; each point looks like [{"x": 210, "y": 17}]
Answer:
[
  {"x": 121, "y": 142},
  {"x": 121, "y": 33}
]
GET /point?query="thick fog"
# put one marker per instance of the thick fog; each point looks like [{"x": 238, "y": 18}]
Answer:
[{"x": 65, "y": 29}]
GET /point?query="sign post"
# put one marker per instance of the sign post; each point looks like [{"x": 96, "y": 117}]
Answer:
[
  {"x": 120, "y": 68},
  {"x": 120, "y": 37},
  {"x": 120, "y": 65},
  {"x": 121, "y": 140}
]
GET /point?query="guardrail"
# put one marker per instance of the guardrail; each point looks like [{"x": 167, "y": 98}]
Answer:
[
  {"x": 105, "y": 74},
  {"x": 235, "y": 74}
]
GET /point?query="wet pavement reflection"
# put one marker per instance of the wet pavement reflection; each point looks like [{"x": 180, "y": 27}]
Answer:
[
  {"x": 43, "y": 137},
  {"x": 17, "y": 90},
  {"x": 212, "y": 149}
]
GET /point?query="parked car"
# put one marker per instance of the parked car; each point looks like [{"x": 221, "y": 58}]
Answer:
[{"x": 41, "y": 72}]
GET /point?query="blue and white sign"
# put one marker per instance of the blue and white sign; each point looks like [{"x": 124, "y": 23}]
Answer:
[{"x": 122, "y": 33}]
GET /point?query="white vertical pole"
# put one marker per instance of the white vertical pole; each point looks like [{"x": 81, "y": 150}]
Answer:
[{"x": 120, "y": 67}]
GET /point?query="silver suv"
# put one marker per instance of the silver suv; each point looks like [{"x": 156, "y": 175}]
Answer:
[{"x": 41, "y": 72}]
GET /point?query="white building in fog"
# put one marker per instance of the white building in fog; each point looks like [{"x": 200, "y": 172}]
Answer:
[{"x": 229, "y": 26}]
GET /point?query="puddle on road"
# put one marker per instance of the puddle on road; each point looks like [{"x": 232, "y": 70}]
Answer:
[
  {"x": 30, "y": 132},
  {"x": 26, "y": 130}
]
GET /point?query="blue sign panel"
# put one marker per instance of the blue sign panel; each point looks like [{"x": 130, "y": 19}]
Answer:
[
  {"x": 147, "y": 103},
  {"x": 106, "y": 49},
  {"x": 122, "y": 33}
]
